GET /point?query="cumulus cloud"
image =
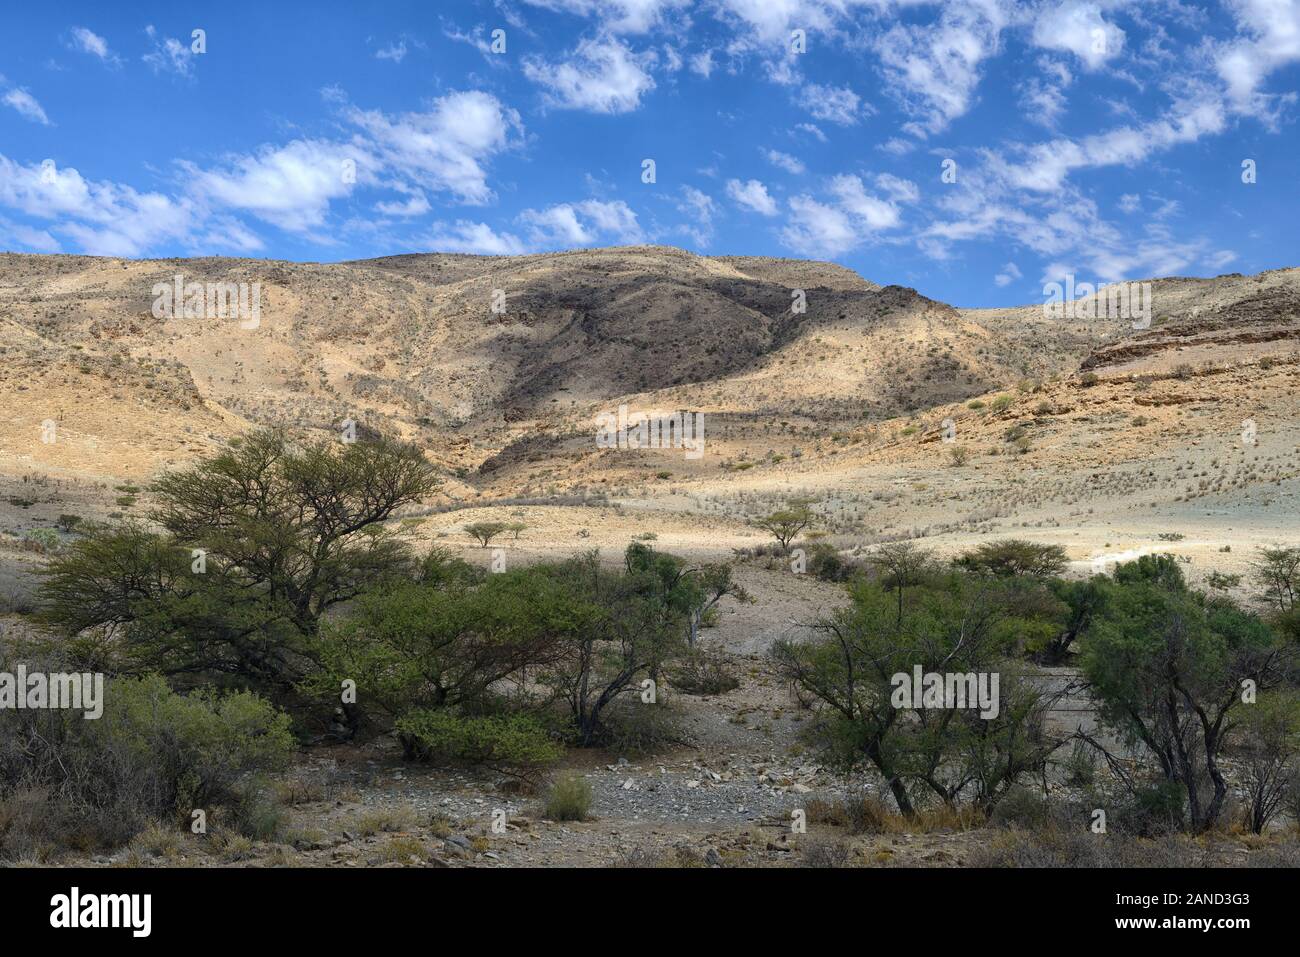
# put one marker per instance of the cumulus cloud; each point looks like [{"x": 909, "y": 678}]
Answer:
[
  {"x": 103, "y": 218},
  {"x": 870, "y": 210},
  {"x": 815, "y": 229},
  {"x": 464, "y": 236},
  {"x": 791, "y": 164},
  {"x": 566, "y": 225},
  {"x": 834, "y": 104},
  {"x": 603, "y": 76},
  {"x": 853, "y": 214},
  {"x": 1046, "y": 165},
  {"x": 934, "y": 68},
  {"x": 289, "y": 186},
  {"x": 1269, "y": 40},
  {"x": 1077, "y": 27},
  {"x": 394, "y": 51},
  {"x": 445, "y": 148},
  {"x": 813, "y": 130},
  {"x": 700, "y": 208},
  {"x": 617, "y": 16},
  {"x": 751, "y": 195}
]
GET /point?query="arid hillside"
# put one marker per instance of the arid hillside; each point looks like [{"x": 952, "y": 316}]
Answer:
[{"x": 811, "y": 380}]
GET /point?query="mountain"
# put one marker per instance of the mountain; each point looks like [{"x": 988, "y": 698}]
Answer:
[{"x": 844, "y": 398}]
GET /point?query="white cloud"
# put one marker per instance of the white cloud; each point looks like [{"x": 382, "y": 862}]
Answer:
[
  {"x": 1077, "y": 27},
  {"x": 770, "y": 21},
  {"x": 394, "y": 51},
  {"x": 900, "y": 190},
  {"x": 617, "y": 16},
  {"x": 90, "y": 42},
  {"x": 702, "y": 63},
  {"x": 813, "y": 130},
  {"x": 26, "y": 105},
  {"x": 604, "y": 76},
  {"x": 1041, "y": 101},
  {"x": 417, "y": 204},
  {"x": 870, "y": 211},
  {"x": 17, "y": 235},
  {"x": 289, "y": 186},
  {"x": 1269, "y": 39},
  {"x": 751, "y": 195},
  {"x": 814, "y": 229},
  {"x": 1009, "y": 274},
  {"x": 701, "y": 208},
  {"x": 168, "y": 54},
  {"x": 104, "y": 218},
  {"x": 1048, "y": 164},
  {"x": 464, "y": 236},
  {"x": 934, "y": 69},
  {"x": 834, "y": 104},
  {"x": 1221, "y": 258},
  {"x": 567, "y": 225},
  {"x": 791, "y": 164},
  {"x": 445, "y": 148}
]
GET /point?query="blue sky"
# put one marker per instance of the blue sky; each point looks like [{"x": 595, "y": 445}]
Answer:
[{"x": 1102, "y": 139}]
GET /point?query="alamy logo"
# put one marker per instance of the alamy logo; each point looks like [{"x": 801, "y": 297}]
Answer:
[
  {"x": 103, "y": 910},
  {"x": 651, "y": 430},
  {"x": 949, "y": 690},
  {"x": 211, "y": 300},
  {"x": 20, "y": 690},
  {"x": 1115, "y": 300}
]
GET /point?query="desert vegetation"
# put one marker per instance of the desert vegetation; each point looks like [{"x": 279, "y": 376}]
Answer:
[{"x": 269, "y": 604}]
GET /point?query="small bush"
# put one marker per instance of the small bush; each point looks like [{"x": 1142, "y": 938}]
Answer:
[
  {"x": 401, "y": 850},
  {"x": 699, "y": 673},
  {"x": 634, "y": 728},
  {"x": 826, "y": 854},
  {"x": 511, "y": 744},
  {"x": 256, "y": 813},
  {"x": 385, "y": 820},
  {"x": 569, "y": 799},
  {"x": 1021, "y": 807},
  {"x": 153, "y": 754}
]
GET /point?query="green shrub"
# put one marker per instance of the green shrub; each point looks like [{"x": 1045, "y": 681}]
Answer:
[
  {"x": 68, "y": 522},
  {"x": 43, "y": 540},
  {"x": 569, "y": 799},
  {"x": 152, "y": 754},
  {"x": 637, "y": 729},
  {"x": 513, "y": 744}
]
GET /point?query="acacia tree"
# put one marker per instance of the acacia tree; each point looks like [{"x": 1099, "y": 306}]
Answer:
[
  {"x": 1012, "y": 557},
  {"x": 624, "y": 626},
  {"x": 1167, "y": 666},
  {"x": 785, "y": 524},
  {"x": 692, "y": 589},
  {"x": 253, "y": 546},
  {"x": 948, "y": 623},
  {"x": 484, "y": 532},
  {"x": 1277, "y": 572},
  {"x": 1270, "y": 742}
]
